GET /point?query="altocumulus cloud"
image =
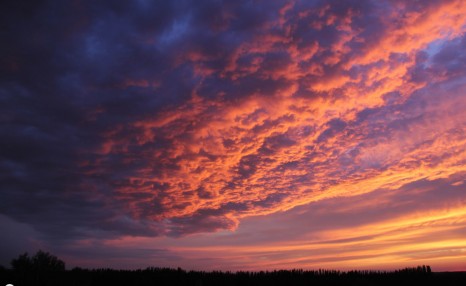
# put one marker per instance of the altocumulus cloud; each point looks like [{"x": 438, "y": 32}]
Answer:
[{"x": 166, "y": 118}]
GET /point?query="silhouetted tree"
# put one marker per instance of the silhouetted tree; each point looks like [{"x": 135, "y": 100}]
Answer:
[
  {"x": 41, "y": 261},
  {"x": 46, "y": 262},
  {"x": 22, "y": 264},
  {"x": 44, "y": 269},
  {"x": 38, "y": 269}
]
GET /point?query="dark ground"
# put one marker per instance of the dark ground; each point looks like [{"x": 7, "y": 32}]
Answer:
[{"x": 164, "y": 276}]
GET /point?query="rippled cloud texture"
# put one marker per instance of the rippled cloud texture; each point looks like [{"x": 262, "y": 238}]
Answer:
[{"x": 235, "y": 134}]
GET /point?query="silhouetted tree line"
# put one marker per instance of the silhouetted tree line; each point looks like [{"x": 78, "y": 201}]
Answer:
[{"x": 44, "y": 269}]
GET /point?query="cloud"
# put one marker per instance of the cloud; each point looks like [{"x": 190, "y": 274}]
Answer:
[
  {"x": 153, "y": 119},
  {"x": 421, "y": 222}
]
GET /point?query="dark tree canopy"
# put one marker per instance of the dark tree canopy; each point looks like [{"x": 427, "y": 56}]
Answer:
[
  {"x": 44, "y": 269},
  {"x": 41, "y": 262}
]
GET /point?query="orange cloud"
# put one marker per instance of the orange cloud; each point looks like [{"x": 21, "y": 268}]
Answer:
[{"x": 260, "y": 150}]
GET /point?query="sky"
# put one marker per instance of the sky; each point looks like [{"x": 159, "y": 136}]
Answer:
[{"x": 234, "y": 135}]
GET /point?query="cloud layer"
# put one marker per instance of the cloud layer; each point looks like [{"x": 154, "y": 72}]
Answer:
[{"x": 164, "y": 119}]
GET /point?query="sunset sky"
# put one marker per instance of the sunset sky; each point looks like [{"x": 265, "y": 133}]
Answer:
[{"x": 234, "y": 135}]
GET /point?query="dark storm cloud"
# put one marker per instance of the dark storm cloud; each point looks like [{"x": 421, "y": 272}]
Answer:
[
  {"x": 62, "y": 72},
  {"x": 72, "y": 73}
]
